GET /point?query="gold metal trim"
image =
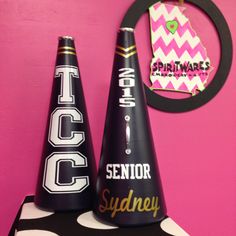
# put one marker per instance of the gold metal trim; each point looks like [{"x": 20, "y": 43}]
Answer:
[
  {"x": 126, "y": 55},
  {"x": 66, "y": 47},
  {"x": 126, "y": 49},
  {"x": 67, "y": 52}
]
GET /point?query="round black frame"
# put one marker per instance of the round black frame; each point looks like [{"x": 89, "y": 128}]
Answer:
[{"x": 187, "y": 104}]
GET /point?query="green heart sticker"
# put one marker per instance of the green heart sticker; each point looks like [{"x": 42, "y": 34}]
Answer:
[{"x": 172, "y": 26}]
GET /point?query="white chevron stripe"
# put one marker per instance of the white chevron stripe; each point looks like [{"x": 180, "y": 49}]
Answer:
[
  {"x": 175, "y": 13},
  {"x": 161, "y": 33},
  {"x": 164, "y": 81},
  {"x": 173, "y": 57}
]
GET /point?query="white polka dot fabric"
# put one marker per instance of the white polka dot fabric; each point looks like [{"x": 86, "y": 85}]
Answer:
[{"x": 35, "y": 222}]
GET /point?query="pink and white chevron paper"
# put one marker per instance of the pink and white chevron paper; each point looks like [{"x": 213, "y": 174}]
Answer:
[{"x": 180, "y": 61}]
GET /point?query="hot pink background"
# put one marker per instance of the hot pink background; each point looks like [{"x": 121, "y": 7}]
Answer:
[{"x": 196, "y": 150}]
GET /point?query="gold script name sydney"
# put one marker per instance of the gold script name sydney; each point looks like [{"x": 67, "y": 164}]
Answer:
[{"x": 130, "y": 203}]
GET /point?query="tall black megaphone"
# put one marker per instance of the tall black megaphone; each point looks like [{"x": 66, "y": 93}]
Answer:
[
  {"x": 128, "y": 190},
  {"x": 67, "y": 173}
]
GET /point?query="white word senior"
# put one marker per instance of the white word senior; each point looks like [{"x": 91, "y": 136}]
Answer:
[{"x": 128, "y": 171}]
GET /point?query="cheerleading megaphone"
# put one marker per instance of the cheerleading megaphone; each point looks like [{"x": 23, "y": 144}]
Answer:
[
  {"x": 129, "y": 190},
  {"x": 67, "y": 173}
]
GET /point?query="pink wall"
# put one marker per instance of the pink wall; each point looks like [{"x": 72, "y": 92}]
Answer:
[{"x": 196, "y": 150}]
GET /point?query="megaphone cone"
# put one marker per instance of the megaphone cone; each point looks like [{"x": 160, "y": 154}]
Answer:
[
  {"x": 67, "y": 174},
  {"x": 129, "y": 190}
]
